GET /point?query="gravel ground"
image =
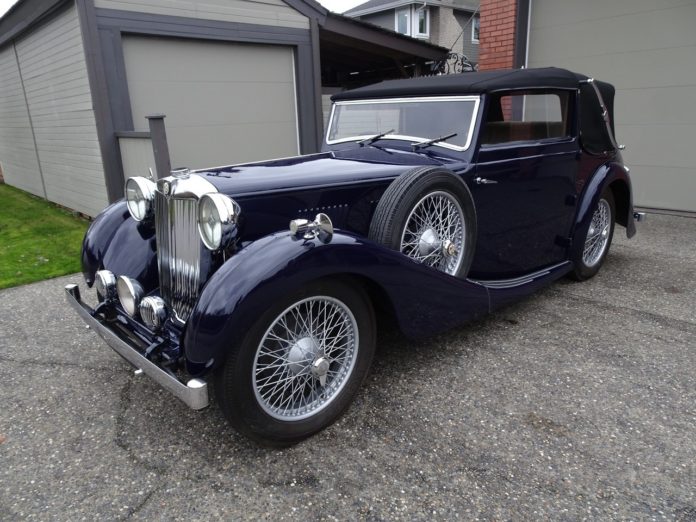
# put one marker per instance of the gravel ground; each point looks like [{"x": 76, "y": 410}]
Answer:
[{"x": 579, "y": 402}]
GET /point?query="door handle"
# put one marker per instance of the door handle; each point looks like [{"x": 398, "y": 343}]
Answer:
[{"x": 484, "y": 181}]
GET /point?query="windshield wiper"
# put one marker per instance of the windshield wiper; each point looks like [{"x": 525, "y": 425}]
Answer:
[
  {"x": 423, "y": 144},
  {"x": 372, "y": 139}
]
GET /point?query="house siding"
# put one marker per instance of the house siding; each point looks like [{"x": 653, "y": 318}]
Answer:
[
  {"x": 449, "y": 28},
  {"x": 384, "y": 19},
  {"x": 468, "y": 47},
  {"x": 57, "y": 109},
  {"x": 18, "y": 157},
  {"x": 263, "y": 12}
]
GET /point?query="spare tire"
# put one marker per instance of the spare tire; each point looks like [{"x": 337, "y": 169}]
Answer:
[{"x": 428, "y": 214}]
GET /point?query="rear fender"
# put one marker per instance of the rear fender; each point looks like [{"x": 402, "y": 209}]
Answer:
[
  {"x": 611, "y": 175},
  {"x": 424, "y": 300},
  {"x": 116, "y": 242}
]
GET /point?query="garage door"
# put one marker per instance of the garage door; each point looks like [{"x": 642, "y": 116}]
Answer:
[
  {"x": 647, "y": 49},
  {"x": 224, "y": 102}
]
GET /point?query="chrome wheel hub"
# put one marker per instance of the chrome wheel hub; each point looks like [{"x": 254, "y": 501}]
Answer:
[
  {"x": 305, "y": 358},
  {"x": 303, "y": 350},
  {"x": 598, "y": 234},
  {"x": 428, "y": 242},
  {"x": 434, "y": 232}
]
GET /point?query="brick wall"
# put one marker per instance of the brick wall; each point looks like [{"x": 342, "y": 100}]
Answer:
[{"x": 497, "y": 34}]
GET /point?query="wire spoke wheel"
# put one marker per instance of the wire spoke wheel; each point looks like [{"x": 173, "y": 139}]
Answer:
[
  {"x": 598, "y": 234},
  {"x": 434, "y": 232},
  {"x": 305, "y": 358}
]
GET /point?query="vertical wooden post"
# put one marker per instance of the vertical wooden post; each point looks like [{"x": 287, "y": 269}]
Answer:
[{"x": 158, "y": 135}]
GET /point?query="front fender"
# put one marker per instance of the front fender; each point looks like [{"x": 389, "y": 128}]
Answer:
[
  {"x": 115, "y": 241},
  {"x": 424, "y": 300},
  {"x": 610, "y": 174}
]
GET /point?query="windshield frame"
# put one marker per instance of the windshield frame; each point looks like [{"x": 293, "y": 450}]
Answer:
[{"x": 414, "y": 139}]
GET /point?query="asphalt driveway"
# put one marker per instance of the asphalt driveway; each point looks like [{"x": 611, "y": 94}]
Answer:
[{"x": 577, "y": 403}]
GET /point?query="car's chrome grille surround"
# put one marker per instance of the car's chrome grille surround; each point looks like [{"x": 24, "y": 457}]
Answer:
[{"x": 179, "y": 252}]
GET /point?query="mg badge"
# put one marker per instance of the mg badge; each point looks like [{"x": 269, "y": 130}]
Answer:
[{"x": 166, "y": 188}]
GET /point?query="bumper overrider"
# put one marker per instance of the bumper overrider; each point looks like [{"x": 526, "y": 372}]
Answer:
[{"x": 193, "y": 393}]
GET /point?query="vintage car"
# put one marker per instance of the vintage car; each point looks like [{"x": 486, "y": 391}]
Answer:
[{"x": 435, "y": 201}]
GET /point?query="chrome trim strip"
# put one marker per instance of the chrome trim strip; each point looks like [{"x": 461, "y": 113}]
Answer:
[
  {"x": 470, "y": 134},
  {"x": 522, "y": 280},
  {"x": 194, "y": 393}
]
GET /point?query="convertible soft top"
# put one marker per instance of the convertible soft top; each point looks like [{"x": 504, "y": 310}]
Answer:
[
  {"x": 468, "y": 83},
  {"x": 592, "y": 126}
]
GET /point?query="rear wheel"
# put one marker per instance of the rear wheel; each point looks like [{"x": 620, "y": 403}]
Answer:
[
  {"x": 598, "y": 236},
  {"x": 300, "y": 364}
]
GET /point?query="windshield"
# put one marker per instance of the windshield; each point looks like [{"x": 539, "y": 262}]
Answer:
[{"x": 413, "y": 119}]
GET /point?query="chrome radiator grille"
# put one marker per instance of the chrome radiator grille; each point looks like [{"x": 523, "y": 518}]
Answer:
[{"x": 178, "y": 253}]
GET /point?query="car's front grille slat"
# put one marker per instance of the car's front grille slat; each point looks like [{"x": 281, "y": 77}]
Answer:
[{"x": 178, "y": 253}]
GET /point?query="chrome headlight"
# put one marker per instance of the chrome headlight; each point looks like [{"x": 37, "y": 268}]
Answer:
[
  {"x": 217, "y": 218},
  {"x": 140, "y": 194}
]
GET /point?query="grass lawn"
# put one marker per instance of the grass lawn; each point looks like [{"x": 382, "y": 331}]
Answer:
[{"x": 38, "y": 240}]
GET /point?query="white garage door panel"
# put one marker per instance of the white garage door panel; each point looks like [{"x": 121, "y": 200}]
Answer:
[
  {"x": 224, "y": 102},
  {"x": 667, "y": 145},
  {"x": 634, "y": 32},
  {"x": 647, "y": 50},
  {"x": 237, "y": 102},
  {"x": 659, "y": 106},
  {"x": 577, "y": 12}
]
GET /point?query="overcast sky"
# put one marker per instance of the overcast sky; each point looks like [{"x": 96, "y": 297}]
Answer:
[{"x": 335, "y": 5}]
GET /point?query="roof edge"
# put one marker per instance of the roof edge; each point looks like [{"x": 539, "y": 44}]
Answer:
[
  {"x": 369, "y": 32},
  {"x": 357, "y": 11},
  {"x": 24, "y": 15}
]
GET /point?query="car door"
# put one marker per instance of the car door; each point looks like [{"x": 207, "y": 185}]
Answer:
[{"x": 524, "y": 182}]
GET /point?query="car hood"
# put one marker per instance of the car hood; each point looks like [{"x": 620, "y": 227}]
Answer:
[{"x": 315, "y": 170}]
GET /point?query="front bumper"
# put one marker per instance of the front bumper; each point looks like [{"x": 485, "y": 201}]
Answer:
[{"x": 193, "y": 393}]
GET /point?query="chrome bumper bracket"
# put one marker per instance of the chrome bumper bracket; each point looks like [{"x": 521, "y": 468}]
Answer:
[{"x": 194, "y": 393}]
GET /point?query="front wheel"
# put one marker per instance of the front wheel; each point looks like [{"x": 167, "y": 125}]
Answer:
[
  {"x": 300, "y": 365},
  {"x": 598, "y": 236}
]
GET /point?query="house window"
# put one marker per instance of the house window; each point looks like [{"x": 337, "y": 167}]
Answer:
[
  {"x": 403, "y": 21},
  {"x": 421, "y": 29},
  {"x": 475, "y": 28},
  {"x": 412, "y": 21}
]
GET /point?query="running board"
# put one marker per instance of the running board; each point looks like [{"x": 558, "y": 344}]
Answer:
[{"x": 503, "y": 292}]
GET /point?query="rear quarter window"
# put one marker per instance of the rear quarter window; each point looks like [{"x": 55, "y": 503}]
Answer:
[{"x": 519, "y": 117}]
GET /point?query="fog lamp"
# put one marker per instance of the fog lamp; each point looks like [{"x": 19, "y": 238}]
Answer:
[
  {"x": 129, "y": 293},
  {"x": 153, "y": 312},
  {"x": 105, "y": 284}
]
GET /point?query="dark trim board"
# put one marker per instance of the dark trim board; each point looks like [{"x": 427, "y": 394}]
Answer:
[
  {"x": 98, "y": 86},
  {"x": 112, "y": 25},
  {"x": 521, "y": 30}
]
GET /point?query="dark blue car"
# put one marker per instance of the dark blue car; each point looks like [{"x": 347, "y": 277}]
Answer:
[{"x": 435, "y": 201}]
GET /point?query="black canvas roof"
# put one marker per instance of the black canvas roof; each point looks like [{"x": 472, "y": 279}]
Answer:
[
  {"x": 468, "y": 83},
  {"x": 597, "y": 137}
]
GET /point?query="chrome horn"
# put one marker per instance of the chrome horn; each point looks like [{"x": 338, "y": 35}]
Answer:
[{"x": 320, "y": 228}]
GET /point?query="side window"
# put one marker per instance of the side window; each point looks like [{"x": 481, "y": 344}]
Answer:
[{"x": 526, "y": 116}]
